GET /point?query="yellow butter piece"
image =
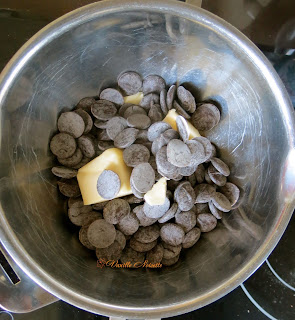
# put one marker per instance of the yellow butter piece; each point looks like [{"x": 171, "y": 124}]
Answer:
[
  {"x": 134, "y": 99},
  {"x": 157, "y": 195},
  {"x": 171, "y": 119},
  {"x": 111, "y": 159}
]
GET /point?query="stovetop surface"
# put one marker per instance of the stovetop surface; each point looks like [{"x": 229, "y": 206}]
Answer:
[{"x": 270, "y": 292}]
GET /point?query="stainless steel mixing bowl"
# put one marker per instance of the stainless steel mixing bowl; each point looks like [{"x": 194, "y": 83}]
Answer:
[{"x": 84, "y": 51}]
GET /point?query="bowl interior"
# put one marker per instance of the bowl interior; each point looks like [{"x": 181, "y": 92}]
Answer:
[{"x": 251, "y": 138}]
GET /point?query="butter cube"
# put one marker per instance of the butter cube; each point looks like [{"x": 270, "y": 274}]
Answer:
[
  {"x": 171, "y": 119},
  {"x": 134, "y": 99},
  {"x": 157, "y": 195},
  {"x": 111, "y": 159}
]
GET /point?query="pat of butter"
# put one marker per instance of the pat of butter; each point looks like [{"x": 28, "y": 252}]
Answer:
[
  {"x": 171, "y": 119},
  {"x": 134, "y": 99},
  {"x": 111, "y": 159},
  {"x": 157, "y": 195}
]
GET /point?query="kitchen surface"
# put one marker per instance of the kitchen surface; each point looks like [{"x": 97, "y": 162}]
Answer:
[{"x": 270, "y": 292}]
